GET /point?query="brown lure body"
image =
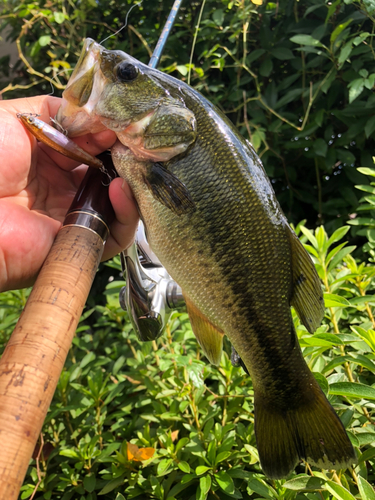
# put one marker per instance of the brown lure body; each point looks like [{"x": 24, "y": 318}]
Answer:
[{"x": 57, "y": 140}]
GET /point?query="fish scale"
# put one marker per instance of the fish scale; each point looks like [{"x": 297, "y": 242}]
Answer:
[
  {"x": 223, "y": 238},
  {"x": 244, "y": 316}
]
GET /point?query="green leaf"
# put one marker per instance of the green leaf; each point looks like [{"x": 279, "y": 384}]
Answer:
[
  {"x": 262, "y": 488},
  {"x": 319, "y": 117},
  {"x": 218, "y": 17},
  {"x": 338, "y": 491},
  {"x": 355, "y": 88},
  {"x": 328, "y": 82},
  {"x": 357, "y": 359},
  {"x": 44, "y": 40},
  {"x": 338, "y": 30},
  {"x": 339, "y": 256},
  {"x": 365, "y": 299},
  {"x": 320, "y": 341},
  {"x": 115, "y": 483},
  {"x": 266, "y": 67},
  {"x": 365, "y": 489},
  {"x": 333, "y": 300},
  {"x": 345, "y": 52},
  {"x": 187, "y": 478},
  {"x": 362, "y": 360},
  {"x": 89, "y": 482},
  {"x": 59, "y": 17},
  {"x": 290, "y": 96},
  {"x": 254, "y": 55},
  {"x": 120, "y": 497},
  {"x": 306, "y": 40},
  {"x": 163, "y": 466},
  {"x": 322, "y": 381},
  {"x": 282, "y": 53},
  {"x": 205, "y": 484},
  {"x": 225, "y": 482},
  {"x": 309, "y": 235},
  {"x": 321, "y": 238},
  {"x": 311, "y": 250},
  {"x": 69, "y": 453},
  {"x": 352, "y": 390},
  {"x": 369, "y": 82},
  {"x": 367, "y": 171},
  {"x": 304, "y": 482},
  {"x": 332, "y": 9},
  {"x": 182, "y": 69},
  {"x": 201, "y": 469},
  {"x": 367, "y": 335},
  {"x": 90, "y": 356},
  {"x": 184, "y": 466},
  {"x": 222, "y": 456},
  {"x": 369, "y": 128},
  {"x": 338, "y": 235},
  {"x": 320, "y": 147},
  {"x": 367, "y": 455}
]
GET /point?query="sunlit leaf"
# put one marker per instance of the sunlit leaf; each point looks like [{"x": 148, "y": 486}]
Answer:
[
  {"x": 366, "y": 490},
  {"x": 225, "y": 482},
  {"x": 352, "y": 390},
  {"x": 306, "y": 40},
  {"x": 304, "y": 482},
  {"x": 338, "y": 491},
  {"x": 334, "y": 300}
]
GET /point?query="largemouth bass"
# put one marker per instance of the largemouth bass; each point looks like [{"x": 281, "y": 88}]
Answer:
[{"x": 213, "y": 220}]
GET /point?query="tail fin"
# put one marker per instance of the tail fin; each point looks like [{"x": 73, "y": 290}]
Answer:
[{"x": 313, "y": 432}]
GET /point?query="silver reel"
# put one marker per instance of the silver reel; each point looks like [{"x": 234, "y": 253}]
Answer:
[{"x": 149, "y": 292}]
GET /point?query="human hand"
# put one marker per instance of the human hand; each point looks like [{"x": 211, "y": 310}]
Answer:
[{"x": 37, "y": 186}]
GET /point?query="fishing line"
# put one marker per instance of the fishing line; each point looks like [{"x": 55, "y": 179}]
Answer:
[
  {"x": 195, "y": 40},
  {"x": 55, "y": 76},
  {"x": 126, "y": 22}
]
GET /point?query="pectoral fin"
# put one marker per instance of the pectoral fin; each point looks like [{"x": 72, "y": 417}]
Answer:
[
  {"x": 307, "y": 298},
  {"x": 209, "y": 337},
  {"x": 169, "y": 190}
]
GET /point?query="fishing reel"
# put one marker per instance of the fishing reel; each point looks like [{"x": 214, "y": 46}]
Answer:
[{"x": 149, "y": 292}]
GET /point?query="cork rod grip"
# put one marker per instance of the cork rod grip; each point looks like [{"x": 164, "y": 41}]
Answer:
[{"x": 35, "y": 355}]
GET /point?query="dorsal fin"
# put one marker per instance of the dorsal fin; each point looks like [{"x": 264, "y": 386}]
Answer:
[
  {"x": 307, "y": 295},
  {"x": 209, "y": 337}
]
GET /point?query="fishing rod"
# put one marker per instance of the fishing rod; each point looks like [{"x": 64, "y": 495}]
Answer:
[{"x": 36, "y": 352}]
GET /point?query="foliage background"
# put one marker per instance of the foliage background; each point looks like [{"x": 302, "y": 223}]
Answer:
[{"x": 297, "y": 79}]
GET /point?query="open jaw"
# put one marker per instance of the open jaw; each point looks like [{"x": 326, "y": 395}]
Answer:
[
  {"x": 76, "y": 114},
  {"x": 111, "y": 90}
]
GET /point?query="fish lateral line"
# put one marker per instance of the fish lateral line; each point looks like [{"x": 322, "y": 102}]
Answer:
[{"x": 57, "y": 140}]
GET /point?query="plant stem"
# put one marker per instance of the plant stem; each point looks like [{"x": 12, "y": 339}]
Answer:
[{"x": 195, "y": 40}]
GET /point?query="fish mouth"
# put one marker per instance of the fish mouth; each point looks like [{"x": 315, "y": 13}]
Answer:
[
  {"x": 76, "y": 114},
  {"x": 144, "y": 115}
]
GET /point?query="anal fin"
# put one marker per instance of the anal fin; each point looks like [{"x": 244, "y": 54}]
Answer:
[
  {"x": 209, "y": 337},
  {"x": 307, "y": 298}
]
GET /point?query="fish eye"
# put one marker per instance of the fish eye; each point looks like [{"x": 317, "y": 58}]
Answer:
[{"x": 126, "y": 72}]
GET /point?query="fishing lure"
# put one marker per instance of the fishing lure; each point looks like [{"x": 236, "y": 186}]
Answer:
[{"x": 57, "y": 140}]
